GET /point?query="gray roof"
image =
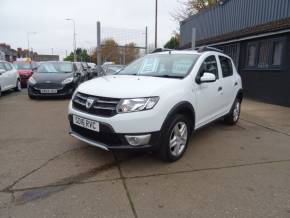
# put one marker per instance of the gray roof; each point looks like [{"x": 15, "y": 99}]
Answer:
[{"x": 232, "y": 16}]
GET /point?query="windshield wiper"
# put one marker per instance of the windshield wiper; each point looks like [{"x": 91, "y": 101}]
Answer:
[{"x": 169, "y": 76}]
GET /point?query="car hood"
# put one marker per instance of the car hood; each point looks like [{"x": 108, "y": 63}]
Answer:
[
  {"x": 21, "y": 72},
  {"x": 125, "y": 86},
  {"x": 51, "y": 77}
]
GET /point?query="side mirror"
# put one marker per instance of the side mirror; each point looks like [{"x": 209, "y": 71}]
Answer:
[
  {"x": 207, "y": 78},
  {"x": 78, "y": 74}
]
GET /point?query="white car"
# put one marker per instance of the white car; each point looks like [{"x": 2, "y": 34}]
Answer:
[
  {"x": 9, "y": 78},
  {"x": 157, "y": 102}
]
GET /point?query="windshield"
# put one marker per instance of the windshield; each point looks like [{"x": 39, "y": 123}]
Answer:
[
  {"x": 22, "y": 66},
  {"x": 55, "y": 67},
  {"x": 162, "y": 65}
]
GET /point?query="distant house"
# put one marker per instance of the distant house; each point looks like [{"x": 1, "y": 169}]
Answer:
[
  {"x": 46, "y": 57},
  {"x": 2, "y": 56},
  {"x": 7, "y": 53},
  {"x": 256, "y": 34}
]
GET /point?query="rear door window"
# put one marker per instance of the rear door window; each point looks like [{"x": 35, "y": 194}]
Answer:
[{"x": 226, "y": 65}]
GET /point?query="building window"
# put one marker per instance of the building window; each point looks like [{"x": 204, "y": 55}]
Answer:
[
  {"x": 252, "y": 53},
  {"x": 277, "y": 53},
  {"x": 265, "y": 54},
  {"x": 226, "y": 65},
  {"x": 231, "y": 50}
]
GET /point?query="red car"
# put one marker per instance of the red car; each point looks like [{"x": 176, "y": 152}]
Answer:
[{"x": 25, "y": 70}]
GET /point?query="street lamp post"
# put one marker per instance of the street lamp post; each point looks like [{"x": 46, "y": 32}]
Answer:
[
  {"x": 156, "y": 22},
  {"x": 74, "y": 38},
  {"x": 28, "y": 42}
]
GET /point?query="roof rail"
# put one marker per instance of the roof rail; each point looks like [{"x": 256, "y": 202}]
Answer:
[
  {"x": 157, "y": 50},
  {"x": 207, "y": 48}
]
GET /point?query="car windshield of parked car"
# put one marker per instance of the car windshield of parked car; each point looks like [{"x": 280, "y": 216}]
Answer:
[
  {"x": 22, "y": 66},
  {"x": 162, "y": 65},
  {"x": 55, "y": 67}
]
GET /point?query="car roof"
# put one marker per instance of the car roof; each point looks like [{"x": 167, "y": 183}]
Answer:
[{"x": 191, "y": 52}]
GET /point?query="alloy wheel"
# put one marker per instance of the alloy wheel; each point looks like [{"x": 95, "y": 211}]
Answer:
[
  {"x": 237, "y": 110},
  {"x": 178, "y": 139},
  {"x": 18, "y": 85}
]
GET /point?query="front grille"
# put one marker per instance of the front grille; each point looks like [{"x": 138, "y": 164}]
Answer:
[
  {"x": 48, "y": 86},
  {"x": 110, "y": 139},
  {"x": 101, "y": 106}
]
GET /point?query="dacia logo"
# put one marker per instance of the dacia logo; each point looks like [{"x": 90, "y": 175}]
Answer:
[{"x": 89, "y": 103}]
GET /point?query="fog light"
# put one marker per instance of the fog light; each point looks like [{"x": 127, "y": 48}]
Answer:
[{"x": 137, "y": 140}]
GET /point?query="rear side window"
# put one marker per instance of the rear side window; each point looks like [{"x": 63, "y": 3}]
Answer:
[{"x": 226, "y": 65}]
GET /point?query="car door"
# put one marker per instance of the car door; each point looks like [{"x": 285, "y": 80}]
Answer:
[
  {"x": 209, "y": 95},
  {"x": 226, "y": 67},
  {"x": 11, "y": 76},
  {"x": 4, "y": 80}
]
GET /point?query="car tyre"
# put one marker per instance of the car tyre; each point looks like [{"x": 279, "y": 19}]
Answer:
[
  {"x": 31, "y": 97},
  {"x": 0, "y": 92},
  {"x": 18, "y": 86},
  {"x": 175, "y": 136},
  {"x": 233, "y": 117}
]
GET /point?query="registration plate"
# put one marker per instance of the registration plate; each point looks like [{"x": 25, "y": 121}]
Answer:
[
  {"x": 88, "y": 124},
  {"x": 48, "y": 91}
]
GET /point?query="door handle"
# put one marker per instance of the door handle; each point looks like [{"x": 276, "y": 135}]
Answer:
[
  {"x": 236, "y": 83},
  {"x": 220, "y": 89}
]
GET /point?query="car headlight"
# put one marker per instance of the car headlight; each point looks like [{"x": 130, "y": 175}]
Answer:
[
  {"x": 32, "y": 80},
  {"x": 67, "y": 80},
  {"x": 136, "y": 104}
]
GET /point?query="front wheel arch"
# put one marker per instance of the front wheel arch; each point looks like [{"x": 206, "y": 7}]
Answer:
[
  {"x": 240, "y": 95},
  {"x": 184, "y": 108}
]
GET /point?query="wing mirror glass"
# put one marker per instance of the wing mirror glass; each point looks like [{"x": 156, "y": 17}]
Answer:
[{"x": 207, "y": 78}]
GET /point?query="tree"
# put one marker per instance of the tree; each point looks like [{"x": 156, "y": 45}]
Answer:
[
  {"x": 191, "y": 7},
  {"x": 173, "y": 43},
  {"x": 110, "y": 51},
  {"x": 82, "y": 55},
  {"x": 131, "y": 52}
]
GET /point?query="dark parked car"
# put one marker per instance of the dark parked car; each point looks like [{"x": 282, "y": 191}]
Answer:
[
  {"x": 82, "y": 71},
  {"x": 54, "y": 79},
  {"x": 88, "y": 69},
  {"x": 94, "y": 69}
]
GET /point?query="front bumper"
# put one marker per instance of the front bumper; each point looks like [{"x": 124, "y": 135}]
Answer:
[
  {"x": 62, "y": 90},
  {"x": 24, "y": 79},
  {"x": 108, "y": 139}
]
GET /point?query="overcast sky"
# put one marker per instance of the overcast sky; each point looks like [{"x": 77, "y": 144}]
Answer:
[{"x": 47, "y": 18}]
